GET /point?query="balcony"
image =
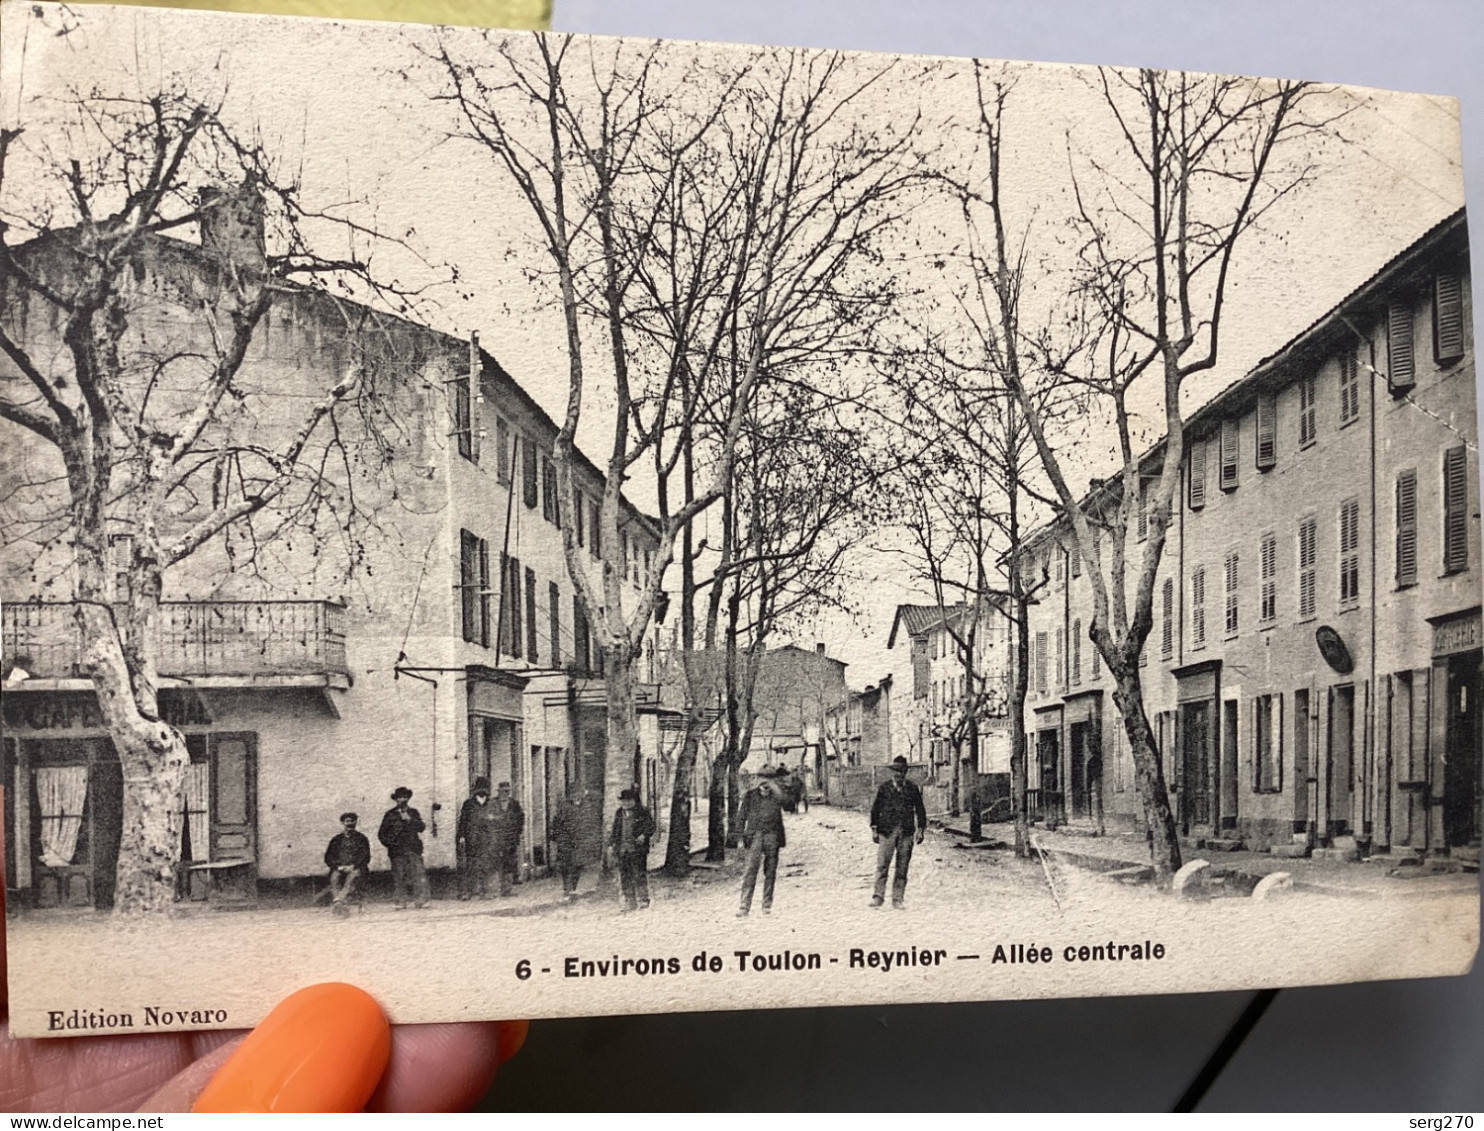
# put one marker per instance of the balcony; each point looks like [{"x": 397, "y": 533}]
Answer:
[{"x": 202, "y": 643}]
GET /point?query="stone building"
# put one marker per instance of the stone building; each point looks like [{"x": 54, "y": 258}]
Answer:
[
  {"x": 455, "y": 647},
  {"x": 1313, "y": 669}
]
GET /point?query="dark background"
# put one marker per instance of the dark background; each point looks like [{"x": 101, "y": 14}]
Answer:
[{"x": 1391, "y": 1046}]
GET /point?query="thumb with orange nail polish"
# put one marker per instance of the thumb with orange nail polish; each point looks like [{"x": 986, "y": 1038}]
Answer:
[{"x": 324, "y": 1048}]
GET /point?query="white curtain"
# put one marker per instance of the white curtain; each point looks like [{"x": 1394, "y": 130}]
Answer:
[
  {"x": 197, "y": 780},
  {"x": 61, "y": 792}
]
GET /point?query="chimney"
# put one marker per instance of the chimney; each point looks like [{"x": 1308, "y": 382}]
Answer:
[{"x": 232, "y": 227}]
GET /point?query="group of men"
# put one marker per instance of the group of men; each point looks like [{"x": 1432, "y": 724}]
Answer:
[
  {"x": 490, "y": 826},
  {"x": 898, "y": 823},
  {"x": 488, "y": 834}
]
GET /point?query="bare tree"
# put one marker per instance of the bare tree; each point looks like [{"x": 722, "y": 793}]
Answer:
[
  {"x": 705, "y": 230},
  {"x": 1201, "y": 161},
  {"x": 167, "y": 445}
]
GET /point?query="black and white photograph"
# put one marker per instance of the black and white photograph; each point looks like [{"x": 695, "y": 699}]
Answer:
[{"x": 543, "y": 525}]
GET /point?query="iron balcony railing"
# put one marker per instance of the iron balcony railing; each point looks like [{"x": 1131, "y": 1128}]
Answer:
[{"x": 197, "y": 638}]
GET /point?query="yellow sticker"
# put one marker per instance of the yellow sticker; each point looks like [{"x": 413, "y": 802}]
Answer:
[{"x": 534, "y": 14}]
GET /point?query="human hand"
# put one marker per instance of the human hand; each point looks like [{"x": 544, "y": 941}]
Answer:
[
  {"x": 875, "y": 837},
  {"x": 920, "y": 834},
  {"x": 370, "y": 1064}
]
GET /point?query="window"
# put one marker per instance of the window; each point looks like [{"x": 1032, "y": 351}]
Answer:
[
  {"x": 1308, "y": 559},
  {"x": 1401, "y": 358},
  {"x": 1267, "y": 431},
  {"x": 510, "y": 602},
  {"x": 548, "y": 489},
  {"x": 1406, "y": 527},
  {"x": 1230, "y": 450},
  {"x": 1267, "y": 744},
  {"x": 474, "y": 588},
  {"x": 1040, "y": 663},
  {"x": 1455, "y": 510},
  {"x": 1061, "y": 652},
  {"x": 554, "y": 616},
  {"x": 529, "y": 465},
  {"x": 1349, "y": 388},
  {"x": 1232, "y": 598},
  {"x": 463, "y": 416},
  {"x": 1267, "y": 611},
  {"x": 532, "y": 651},
  {"x": 1076, "y": 652},
  {"x": 1198, "y": 607},
  {"x": 1097, "y": 660},
  {"x": 61, "y": 805},
  {"x": 1167, "y": 627},
  {"x": 1197, "y": 474},
  {"x": 1447, "y": 318},
  {"x": 1308, "y": 399},
  {"x": 581, "y": 638},
  {"x": 1349, "y": 552},
  {"x": 502, "y": 451},
  {"x": 1058, "y": 555}
]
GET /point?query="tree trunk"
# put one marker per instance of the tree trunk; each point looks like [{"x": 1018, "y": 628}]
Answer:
[
  {"x": 1164, "y": 839},
  {"x": 623, "y": 728},
  {"x": 716, "y": 812},
  {"x": 974, "y": 800},
  {"x": 677, "y": 849},
  {"x": 153, "y": 759},
  {"x": 1019, "y": 746}
]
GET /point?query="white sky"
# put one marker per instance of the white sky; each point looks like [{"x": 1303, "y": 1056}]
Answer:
[{"x": 329, "y": 96}]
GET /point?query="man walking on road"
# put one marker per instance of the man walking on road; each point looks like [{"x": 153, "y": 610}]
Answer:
[
  {"x": 761, "y": 818},
  {"x": 629, "y": 841},
  {"x": 898, "y": 821}
]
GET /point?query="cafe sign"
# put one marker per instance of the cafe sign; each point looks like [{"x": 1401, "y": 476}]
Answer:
[{"x": 1458, "y": 633}]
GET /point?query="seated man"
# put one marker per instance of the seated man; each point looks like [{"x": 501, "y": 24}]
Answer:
[{"x": 349, "y": 859}]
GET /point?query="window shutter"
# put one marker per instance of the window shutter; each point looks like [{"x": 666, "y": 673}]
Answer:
[
  {"x": 1198, "y": 607},
  {"x": 1406, "y": 527},
  {"x": 580, "y": 518},
  {"x": 1232, "y": 598},
  {"x": 1401, "y": 361},
  {"x": 529, "y": 466},
  {"x": 1076, "y": 651},
  {"x": 1229, "y": 453},
  {"x": 581, "y": 645},
  {"x": 1268, "y": 565},
  {"x": 1308, "y": 399},
  {"x": 1349, "y": 387},
  {"x": 1455, "y": 510},
  {"x": 1447, "y": 317},
  {"x": 532, "y": 651},
  {"x": 1197, "y": 474},
  {"x": 1267, "y": 431},
  {"x": 1167, "y": 629},
  {"x": 554, "y": 616},
  {"x": 502, "y": 450},
  {"x": 1308, "y": 556},
  {"x": 1350, "y": 550}
]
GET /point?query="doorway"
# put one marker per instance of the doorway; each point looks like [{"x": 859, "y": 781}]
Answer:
[
  {"x": 1340, "y": 779},
  {"x": 1461, "y": 789},
  {"x": 1196, "y": 734}
]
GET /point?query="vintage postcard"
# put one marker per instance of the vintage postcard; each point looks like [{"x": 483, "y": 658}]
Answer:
[{"x": 535, "y": 525}]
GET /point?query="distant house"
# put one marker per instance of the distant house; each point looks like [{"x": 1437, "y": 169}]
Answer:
[{"x": 858, "y": 730}]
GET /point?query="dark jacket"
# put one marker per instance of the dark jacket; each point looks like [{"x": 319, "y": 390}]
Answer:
[
  {"x": 643, "y": 830},
  {"x": 398, "y": 836},
  {"x": 762, "y": 812},
  {"x": 478, "y": 826},
  {"x": 350, "y": 847},
  {"x": 509, "y": 823},
  {"x": 577, "y": 830},
  {"x": 898, "y": 809}
]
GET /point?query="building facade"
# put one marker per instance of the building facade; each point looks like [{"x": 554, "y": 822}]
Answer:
[
  {"x": 453, "y": 647},
  {"x": 1312, "y": 673}
]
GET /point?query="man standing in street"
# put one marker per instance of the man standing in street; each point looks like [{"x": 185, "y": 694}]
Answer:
[
  {"x": 577, "y": 836},
  {"x": 761, "y": 819},
  {"x": 399, "y": 835},
  {"x": 349, "y": 858},
  {"x": 629, "y": 840},
  {"x": 476, "y": 842},
  {"x": 509, "y": 821},
  {"x": 898, "y": 821}
]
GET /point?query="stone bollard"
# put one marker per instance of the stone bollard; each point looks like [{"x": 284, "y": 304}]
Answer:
[
  {"x": 1190, "y": 881},
  {"x": 1271, "y": 883}
]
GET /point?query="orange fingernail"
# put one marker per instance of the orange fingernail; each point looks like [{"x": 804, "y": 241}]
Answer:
[
  {"x": 512, "y": 1038},
  {"x": 322, "y": 1049}
]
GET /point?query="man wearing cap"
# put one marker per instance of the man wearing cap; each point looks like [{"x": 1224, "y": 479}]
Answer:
[
  {"x": 629, "y": 840},
  {"x": 898, "y": 821},
  {"x": 761, "y": 820},
  {"x": 476, "y": 841},
  {"x": 349, "y": 859},
  {"x": 399, "y": 835},
  {"x": 509, "y": 823}
]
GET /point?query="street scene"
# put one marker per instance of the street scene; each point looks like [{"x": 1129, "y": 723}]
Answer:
[{"x": 684, "y": 489}]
